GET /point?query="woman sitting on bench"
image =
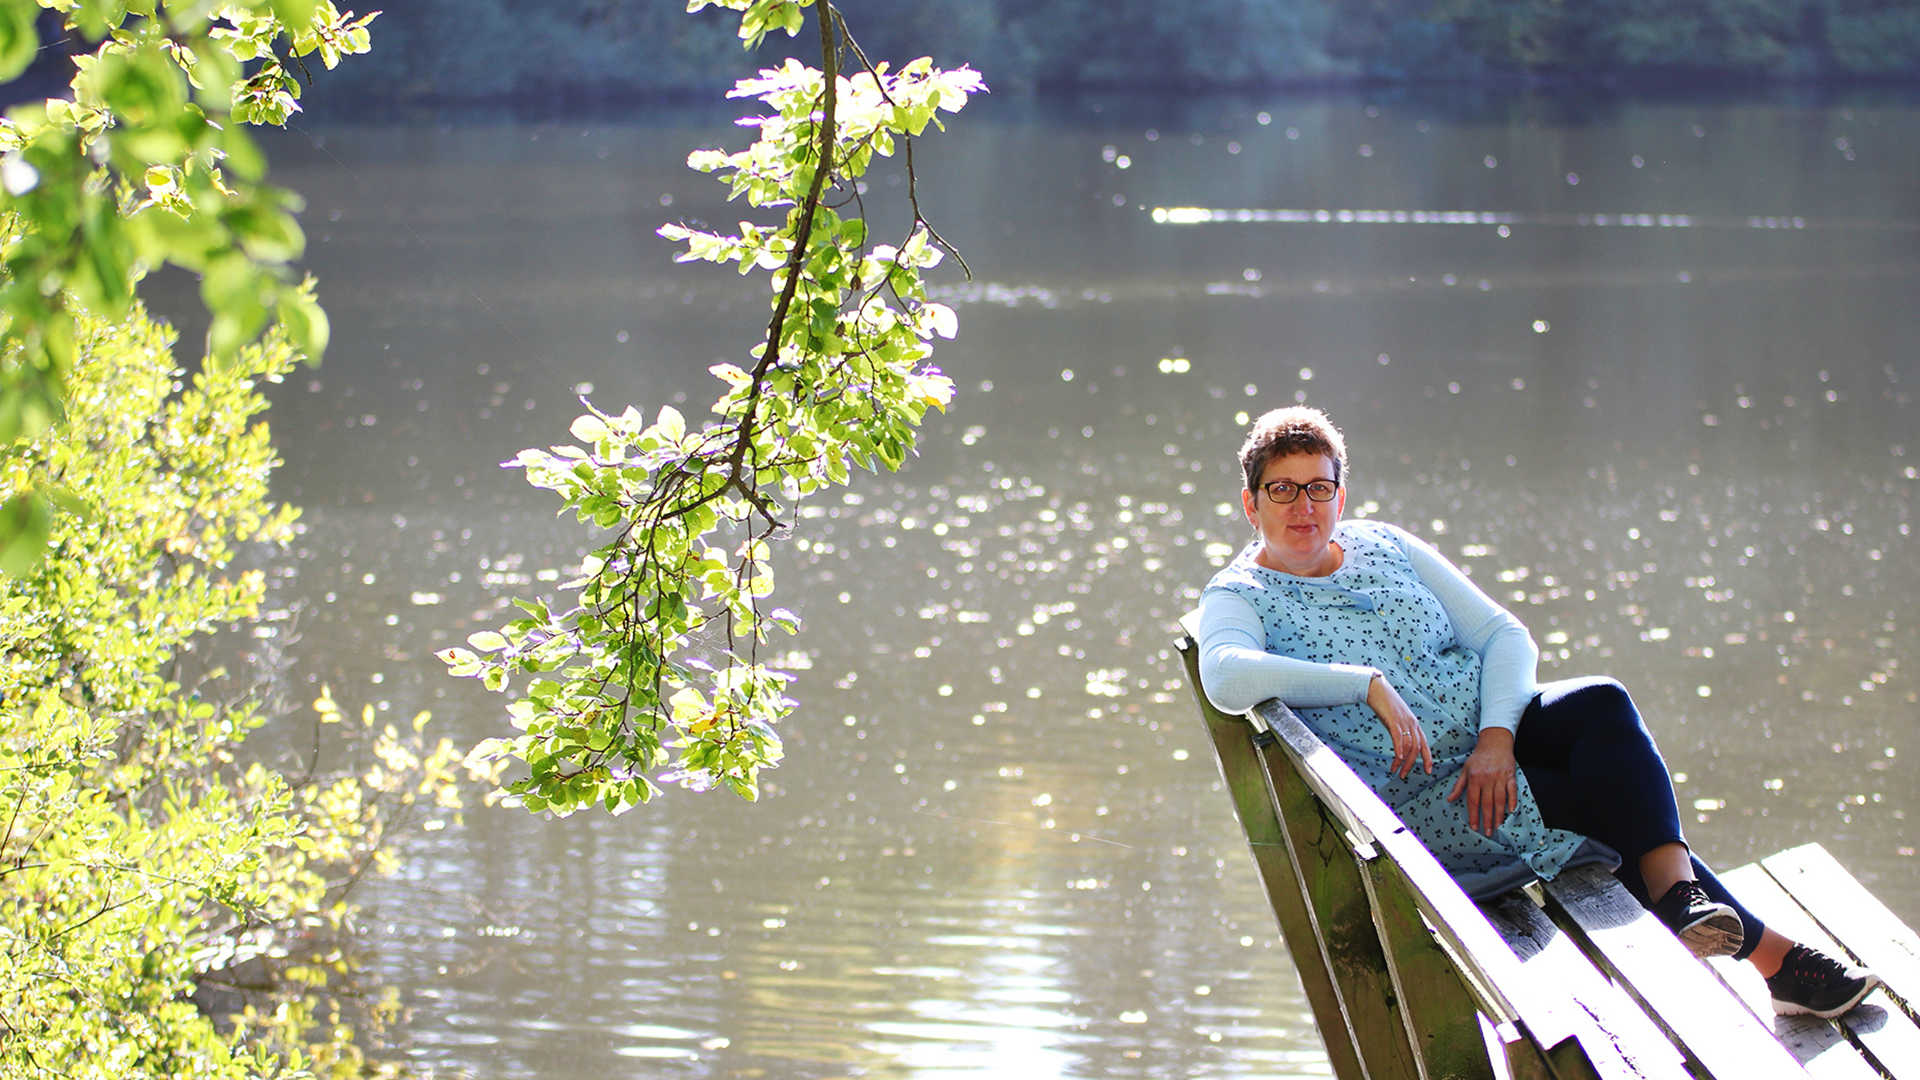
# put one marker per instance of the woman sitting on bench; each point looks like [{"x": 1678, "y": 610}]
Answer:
[{"x": 1425, "y": 686}]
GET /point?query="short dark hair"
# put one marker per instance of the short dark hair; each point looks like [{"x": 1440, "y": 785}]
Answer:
[{"x": 1296, "y": 429}]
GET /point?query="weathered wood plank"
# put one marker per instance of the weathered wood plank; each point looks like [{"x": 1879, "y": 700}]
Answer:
[
  {"x": 1681, "y": 994},
  {"x": 1496, "y": 1037},
  {"x": 1817, "y": 1044},
  {"x": 1329, "y": 870},
  {"x": 1878, "y": 1026},
  {"x": 1370, "y": 820},
  {"x": 1624, "y": 1042},
  {"x": 1524, "y": 1061},
  {"x": 1548, "y": 1015},
  {"x": 1562, "y": 1029},
  {"x": 1442, "y": 1023},
  {"x": 1855, "y": 917},
  {"x": 1246, "y": 780},
  {"x": 1516, "y": 1056}
]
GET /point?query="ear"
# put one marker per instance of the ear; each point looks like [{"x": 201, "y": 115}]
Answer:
[
  {"x": 1246, "y": 504},
  {"x": 1340, "y": 502}
]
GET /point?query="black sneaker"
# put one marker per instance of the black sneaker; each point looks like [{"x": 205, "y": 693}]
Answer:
[
  {"x": 1810, "y": 981},
  {"x": 1705, "y": 926}
]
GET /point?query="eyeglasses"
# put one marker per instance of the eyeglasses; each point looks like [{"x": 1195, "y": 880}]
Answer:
[{"x": 1285, "y": 491}]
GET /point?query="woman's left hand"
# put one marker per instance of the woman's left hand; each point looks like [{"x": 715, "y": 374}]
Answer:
[{"x": 1490, "y": 781}]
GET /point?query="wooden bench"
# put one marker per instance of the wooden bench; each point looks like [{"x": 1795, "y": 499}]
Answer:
[{"x": 1571, "y": 978}]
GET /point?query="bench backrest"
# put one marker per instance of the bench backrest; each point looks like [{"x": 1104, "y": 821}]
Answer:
[{"x": 1408, "y": 977}]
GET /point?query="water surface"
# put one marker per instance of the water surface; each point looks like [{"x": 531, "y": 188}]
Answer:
[{"x": 1646, "y": 370}]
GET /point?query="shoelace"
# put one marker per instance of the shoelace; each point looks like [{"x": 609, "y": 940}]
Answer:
[
  {"x": 1686, "y": 896},
  {"x": 1691, "y": 894},
  {"x": 1817, "y": 967}
]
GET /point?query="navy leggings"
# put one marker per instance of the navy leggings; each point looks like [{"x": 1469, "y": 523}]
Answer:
[{"x": 1594, "y": 770}]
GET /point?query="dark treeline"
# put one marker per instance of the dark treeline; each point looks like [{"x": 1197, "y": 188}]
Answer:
[{"x": 521, "y": 49}]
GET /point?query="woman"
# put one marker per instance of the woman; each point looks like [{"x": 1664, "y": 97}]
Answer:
[{"x": 1425, "y": 686}]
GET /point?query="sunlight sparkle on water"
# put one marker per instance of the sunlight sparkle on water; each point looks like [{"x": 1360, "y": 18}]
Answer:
[{"x": 1504, "y": 219}]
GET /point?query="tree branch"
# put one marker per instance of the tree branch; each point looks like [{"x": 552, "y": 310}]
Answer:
[{"x": 828, "y": 17}]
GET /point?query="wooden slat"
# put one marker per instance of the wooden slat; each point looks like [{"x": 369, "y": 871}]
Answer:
[
  {"x": 1497, "y": 1037},
  {"x": 1346, "y": 795},
  {"x": 1624, "y": 1041},
  {"x": 1370, "y": 820},
  {"x": 1524, "y": 1061},
  {"x": 1245, "y": 776},
  {"x": 1817, "y": 1044},
  {"x": 1561, "y": 1028},
  {"x": 1329, "y": 870},
  {"x": 1684, "y": 997},
  {"x": 1855, "y": 917},
  {"x": 1549, "y": 1016},
  {"x": 1442, "y": 1023},
  {"x": 1877, "y": 1025}
]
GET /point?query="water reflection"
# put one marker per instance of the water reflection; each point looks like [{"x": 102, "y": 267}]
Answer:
[{"x": 1683, "y": 455}]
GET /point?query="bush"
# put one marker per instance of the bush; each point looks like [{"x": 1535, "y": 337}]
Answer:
[{"x": 147, "y": 870}]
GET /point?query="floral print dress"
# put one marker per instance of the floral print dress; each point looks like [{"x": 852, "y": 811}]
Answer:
[{"x": 1376, "y": 610}]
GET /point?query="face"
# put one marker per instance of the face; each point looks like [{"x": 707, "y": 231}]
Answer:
[{"x": 1295, "y": 537}]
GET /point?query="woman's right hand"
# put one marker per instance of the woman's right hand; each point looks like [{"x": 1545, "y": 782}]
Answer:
[{"x": 1409, "y": 742}]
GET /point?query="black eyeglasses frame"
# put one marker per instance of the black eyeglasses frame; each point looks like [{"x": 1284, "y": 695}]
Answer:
[{"x": 1331, "y": 487}]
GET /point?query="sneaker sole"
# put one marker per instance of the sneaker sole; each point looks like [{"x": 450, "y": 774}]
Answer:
[
  {"x": 1718, "y": 934},
  {"x": 1794, "y": 1008}
]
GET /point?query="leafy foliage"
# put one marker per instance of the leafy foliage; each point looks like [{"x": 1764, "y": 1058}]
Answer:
[
  {"x": 148, "y": 164},
  {"x": 651, "y": 668},
  {"x": 148, "y": 869},
  {"x": 169, "y": 907}
]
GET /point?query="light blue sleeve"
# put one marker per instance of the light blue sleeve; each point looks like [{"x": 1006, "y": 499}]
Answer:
[
  {"x": 1508, "y": 656},
  {"x": 1238, "y": 672}
]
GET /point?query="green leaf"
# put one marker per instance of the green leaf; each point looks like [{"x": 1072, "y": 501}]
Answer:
[
  {"x": 19, "y": 42},
  {"x": 487, "y": 641},
  {"x": 144, "y": 89},
  {"x": 671, "y": 425},
  {"x": 236, "y": 292},
  {"x": 589, "y": 429},
  {"x": 305, "y": 322},
  {"x": 96, "y": 17},
  {"x": 294, "y": 13},
  {"x": 102, "y": 275},
  {"x": 25, "y": 523},
  {"x": 266, "y": 233}
]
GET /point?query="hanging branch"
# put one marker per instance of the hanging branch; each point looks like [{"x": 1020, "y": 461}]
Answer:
[
  {"x": 796, "y": 262},
  {"x": 652, "y": 674}
]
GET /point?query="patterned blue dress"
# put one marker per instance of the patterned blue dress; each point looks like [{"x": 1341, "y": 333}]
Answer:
[{"x": 1377, "y": 611}]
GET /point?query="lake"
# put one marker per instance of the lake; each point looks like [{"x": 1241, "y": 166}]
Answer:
[{"x": 1645, "y": 368}]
